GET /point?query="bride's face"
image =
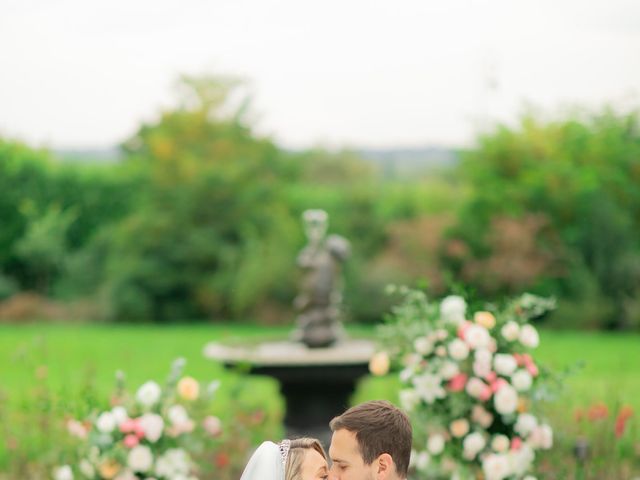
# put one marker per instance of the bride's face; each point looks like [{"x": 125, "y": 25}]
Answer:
[{"x": 314, "y": 467}]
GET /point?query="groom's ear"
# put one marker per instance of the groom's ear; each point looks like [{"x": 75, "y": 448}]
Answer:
[{"x": 386, "y": 467}]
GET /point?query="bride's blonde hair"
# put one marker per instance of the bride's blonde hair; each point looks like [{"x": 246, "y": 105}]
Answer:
[{"x": 297, "y": 451}]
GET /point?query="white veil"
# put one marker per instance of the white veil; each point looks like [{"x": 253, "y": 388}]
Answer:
[{"x": 267, "y": 462}]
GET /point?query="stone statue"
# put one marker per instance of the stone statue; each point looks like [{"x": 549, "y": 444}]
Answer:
[{"x": 318, "y": 303}]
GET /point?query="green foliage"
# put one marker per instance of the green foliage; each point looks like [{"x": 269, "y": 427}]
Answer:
[
  {"x": 43, "y": 247},
  {"x": 580, "y": 177},
  {"x": 51, "y": 211},
  {"x": 212, "y": 236},
  {"x": 202, "y": 218}
]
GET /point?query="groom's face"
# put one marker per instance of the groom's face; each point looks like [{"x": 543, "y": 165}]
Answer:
[{"x": 347, "y": 459}]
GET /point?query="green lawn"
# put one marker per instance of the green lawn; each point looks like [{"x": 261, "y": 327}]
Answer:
[{"x": 73, "y": 353}]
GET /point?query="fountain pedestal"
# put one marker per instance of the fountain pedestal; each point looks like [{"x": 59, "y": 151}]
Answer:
[{"x": 316, "y": 383}]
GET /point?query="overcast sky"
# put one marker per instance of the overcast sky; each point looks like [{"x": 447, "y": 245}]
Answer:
[{"x": 85, "y": 73}]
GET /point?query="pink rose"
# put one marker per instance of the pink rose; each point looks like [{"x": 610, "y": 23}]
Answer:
[
  {"x": 128, "y": 426},
  {"x": 486, "y": 393},
  {"x": 516, "y": 443},
  {"x": 77, "y": 429},
  {"x": 532, "y": 369},
  {"x": 212, "y": 425},
  {"x": 131, "y": 441},
  {"x": 457, "y": 383},
  {"x": 491, "y": 377},
  {"x": 498, "y": 384},
  {"x": 462, "y": 329}
]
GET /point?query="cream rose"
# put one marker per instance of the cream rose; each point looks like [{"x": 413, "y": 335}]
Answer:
[
  {"x": 510, "y": 331},
  {"x": 458, "y": 350},
  {"x": 140, "y": 458},
  {"x": 506, "y": 400},
  {"x": 188, "y": 388}
]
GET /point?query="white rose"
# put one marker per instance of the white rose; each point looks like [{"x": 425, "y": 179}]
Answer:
[
  {"x": 453, "y": 309},
  {"x": 119, "y": 414},
  {"x": 542, "y": 437},
  {"x": 525, "y": 424},
  {"x": 126, "y": 475},
  {"x": 458, "y": 350},
  {"x": 63, "y": 472},
  {"x": 504, "y": 364},
  {"x": 429, "y": 387},
  {"x": 419, "y": 460},
  {"x": 86, "y": 468},
  {"x": 177, "y": 415},
  {"x": 475, "y": 387},
  {"x": 521, "y": 459},
  {"x": 106, "y": 422},
  {"x": 510, "y": 331},
  {"x": 448, "y": 370},
  {"x": 411, "y": 360},
  {"x": 496, "y": 467},
  {"x": 482, "y": 363},
  {"x": 547, "y": 437},
  {"x": 148, "y": 394},
  {"x": 506, "y": 400},
  {"x": 406, "y": 374},
  {"x": 522, "y": 380},
  {"x": 481, "y": 369},
  {"x": 152, "y": 426},
  {"x": 481, "y": 416},
  {"x": 441, "y": 334},
  {"x": 409, "y": 399},
  {"x": 163, "y": 467},
  {"x": 529, "y": 336},
  {"x": 477, "y": 336},
  {"x": 483, "y": 355},
  {"x": 473, "y": 444},
  {"x": 529, "y": 477},
  {"x": 140, "y": 458},
  {"x": 500, "y": 443},
  {"x": 177, "y": 460},
  {"x": 423, "y": 345},
  {"x": 435, "y": 444}
]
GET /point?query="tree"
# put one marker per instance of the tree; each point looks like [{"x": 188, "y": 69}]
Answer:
[{"x": 213, "y": 236}]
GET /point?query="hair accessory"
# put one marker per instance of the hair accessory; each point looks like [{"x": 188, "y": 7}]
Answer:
[{"x": 284, "y": 450}]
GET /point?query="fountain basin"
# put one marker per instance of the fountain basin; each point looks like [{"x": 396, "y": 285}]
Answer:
[{"x": 316, "y": 383}]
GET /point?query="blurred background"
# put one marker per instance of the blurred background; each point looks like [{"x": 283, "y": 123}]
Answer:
[{"x": 156, "y": 158}]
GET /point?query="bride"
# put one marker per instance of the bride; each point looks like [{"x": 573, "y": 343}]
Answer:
[{"x": 300, "y": 459}]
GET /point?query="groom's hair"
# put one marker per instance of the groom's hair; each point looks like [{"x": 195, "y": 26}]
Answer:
[{"x": 380, "y": 428}]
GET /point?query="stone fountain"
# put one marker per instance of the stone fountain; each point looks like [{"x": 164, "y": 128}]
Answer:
[{"x": 318, "y": 367}]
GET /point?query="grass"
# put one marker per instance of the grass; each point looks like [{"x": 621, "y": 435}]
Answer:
[{"x": 64, "y": 356}]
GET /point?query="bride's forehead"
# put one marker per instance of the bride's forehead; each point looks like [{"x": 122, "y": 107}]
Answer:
[{"x": 314, "y": 457}]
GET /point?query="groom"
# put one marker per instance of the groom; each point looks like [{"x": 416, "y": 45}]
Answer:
[{"x": 371, "y": 441}]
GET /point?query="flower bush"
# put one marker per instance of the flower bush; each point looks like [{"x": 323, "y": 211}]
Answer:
[
  {"x": 155, "y": 434},
  {"x": 471, "y": 385}
]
